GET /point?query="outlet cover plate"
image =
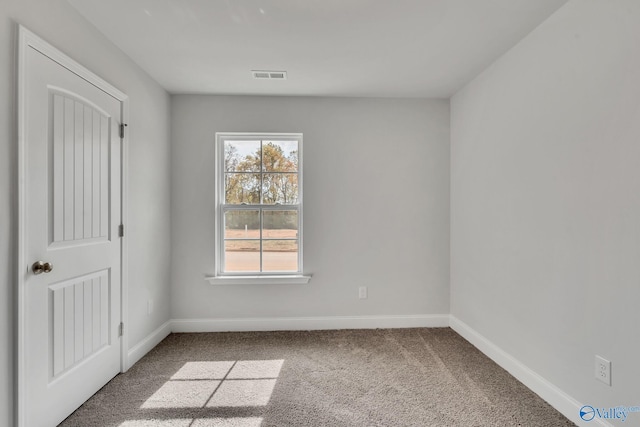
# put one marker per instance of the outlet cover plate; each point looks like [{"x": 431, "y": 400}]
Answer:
[{"x": 603, "y": 370}]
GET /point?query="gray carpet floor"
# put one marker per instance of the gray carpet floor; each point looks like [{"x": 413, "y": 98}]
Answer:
[{"x": 384, "y": 377}]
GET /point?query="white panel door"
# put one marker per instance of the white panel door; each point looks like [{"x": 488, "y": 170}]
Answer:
[{"x": 72, "y": 303}]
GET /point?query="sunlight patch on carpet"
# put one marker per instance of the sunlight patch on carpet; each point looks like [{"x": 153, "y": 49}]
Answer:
[
  {"x": 157, "y": 423},
  {"x": 254, "y": 369},
  {"x": 182, "y": 394},
  {"x": 227, "y": 422},
  {"x": 236, "y": 393},
  {"x": 203, "y": 371},
  {"x": 217, "y": 384},
  {"x": 200, "y": 422}
]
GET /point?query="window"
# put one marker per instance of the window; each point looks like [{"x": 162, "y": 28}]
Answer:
[{"x": 258, "y": 205}]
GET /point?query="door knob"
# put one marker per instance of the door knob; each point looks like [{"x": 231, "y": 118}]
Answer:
[
  {"x": 40, "y": 267},
  {"x": 48, "y": 267}
]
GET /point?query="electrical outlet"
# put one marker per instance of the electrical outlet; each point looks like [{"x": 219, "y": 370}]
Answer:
[
  {"x": 362, "y": 292},
  {"x": 603, "y": 370},
  {"x": 149, "y": 307}
]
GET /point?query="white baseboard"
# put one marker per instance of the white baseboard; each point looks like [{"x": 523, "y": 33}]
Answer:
[
  {"x": 565, "y": 404},
  {"x": 147, "y": 344},
  {"x": 310, "y": 323},
  {"x": 281, "y": 324}
]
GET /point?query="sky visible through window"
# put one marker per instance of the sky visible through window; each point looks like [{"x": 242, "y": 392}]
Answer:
[{"x": 249, "y": 148}]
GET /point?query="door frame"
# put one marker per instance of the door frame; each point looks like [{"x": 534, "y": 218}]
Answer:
[{"x": 28, "y": 40}]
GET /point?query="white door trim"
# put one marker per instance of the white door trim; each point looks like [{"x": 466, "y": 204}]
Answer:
[{"x": 28, "y": 40}]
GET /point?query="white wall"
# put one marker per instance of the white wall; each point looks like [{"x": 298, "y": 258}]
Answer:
[
  {"x": 545, "y": 200},
  {"x": 376, "y": 208},
  {"x": 58, "y": 23}
]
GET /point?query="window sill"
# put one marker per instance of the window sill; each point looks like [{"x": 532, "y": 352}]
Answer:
[{"x": 258, "y": 280}]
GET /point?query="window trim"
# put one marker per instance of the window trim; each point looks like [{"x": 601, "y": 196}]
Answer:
[{"x": 225, "y": 278}]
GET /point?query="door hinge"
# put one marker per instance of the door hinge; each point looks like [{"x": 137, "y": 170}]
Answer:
[
  {"x": 121, "y": 329},
  {"x": 122, "y": 126},
  {"x": 121, "y": 230}
]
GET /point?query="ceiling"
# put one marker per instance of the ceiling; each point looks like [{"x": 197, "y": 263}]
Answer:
[{"x": 386, "y": 48}]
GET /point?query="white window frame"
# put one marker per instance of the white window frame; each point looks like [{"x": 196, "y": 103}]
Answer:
[{"x": 226, "y": 278}]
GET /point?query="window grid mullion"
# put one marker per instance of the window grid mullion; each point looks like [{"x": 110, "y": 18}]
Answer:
[
  {"x": 257, "y": 207},
  {"x": 261, "y": 226},
  {"x": 261, "y": 199},
  {"x": 261, "y": 175}
]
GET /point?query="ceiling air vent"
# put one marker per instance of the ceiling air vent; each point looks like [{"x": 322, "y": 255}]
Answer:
[{"x": 273, "y": 75}]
